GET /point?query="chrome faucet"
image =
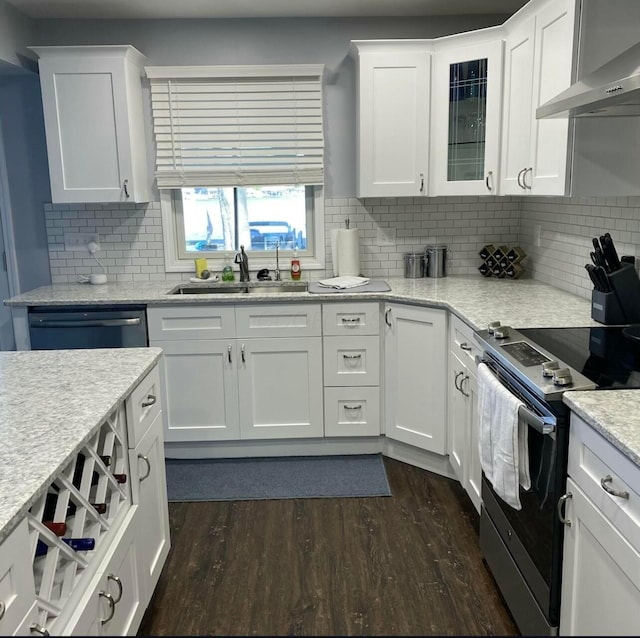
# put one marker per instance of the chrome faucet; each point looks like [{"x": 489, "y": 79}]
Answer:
[
  {"x": 243, "y": 261},
  {"x": 278, "y": 278}
]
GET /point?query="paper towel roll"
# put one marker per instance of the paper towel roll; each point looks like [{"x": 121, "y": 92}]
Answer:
[{"x": 348, "y": 252}]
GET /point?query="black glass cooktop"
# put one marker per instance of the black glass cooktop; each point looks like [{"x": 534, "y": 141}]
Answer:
[{"x": 609, "y": 356}]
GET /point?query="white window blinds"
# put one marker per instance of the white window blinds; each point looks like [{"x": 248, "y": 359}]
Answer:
[{"x": 237, "y": 125}]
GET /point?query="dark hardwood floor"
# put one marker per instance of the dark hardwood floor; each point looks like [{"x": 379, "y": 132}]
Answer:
[{"x": 400, "y": 565}]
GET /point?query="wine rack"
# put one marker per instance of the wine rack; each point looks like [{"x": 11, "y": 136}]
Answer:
[
  {"x": 79, "y": 508},
  {"x": 501, "y": 261}
]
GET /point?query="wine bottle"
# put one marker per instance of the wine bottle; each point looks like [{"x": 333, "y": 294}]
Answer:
[
  {"x": 59, "y": 529},
  {"x": 77, "y": 472},
  {"x": 80, "y": 544},
  {"x": 101, "y": 508},
  {"x": 120, "y": 478}
]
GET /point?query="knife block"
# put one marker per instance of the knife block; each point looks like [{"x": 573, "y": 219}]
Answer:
[
  {"x": 605, "y": 308},
  {"x": 623, "y": 304}
]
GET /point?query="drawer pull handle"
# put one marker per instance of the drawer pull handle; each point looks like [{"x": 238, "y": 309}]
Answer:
[
  {"x": 142, "y": 457},
  {"x": 37, "y": 629},
  {"x": 561, "y": 501},
  {"x": 353, "y": 407},
  {"x": 118, "y": 582},
  {"x": 151, "y": 399},
  {"x": 351, "y": 356},
  {"x": 466, "y": 347},
  {"x": 605, "y": 486},
  {"x": 112, "y": 606},
  {"x": 350, "y": 319}
]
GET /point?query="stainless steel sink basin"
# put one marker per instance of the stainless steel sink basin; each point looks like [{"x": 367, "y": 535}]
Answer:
[{"x": 252, "y": 288}]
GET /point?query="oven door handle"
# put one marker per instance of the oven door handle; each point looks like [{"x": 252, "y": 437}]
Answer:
[{"x": 539, "y": 423}]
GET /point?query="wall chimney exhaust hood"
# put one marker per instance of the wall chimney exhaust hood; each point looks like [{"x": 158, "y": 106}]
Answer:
[{"x": 613, "y": 90}]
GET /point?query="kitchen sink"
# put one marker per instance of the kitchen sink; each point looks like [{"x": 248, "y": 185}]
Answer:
[{"x": 252, "y": 288}]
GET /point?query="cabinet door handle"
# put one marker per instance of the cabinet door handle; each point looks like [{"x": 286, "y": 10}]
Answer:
[
  {"x": 455, "y": 381},
  {"x": 466, "y": 347},
  {"x": 604, "y": 483},
  {"x": 112, "y": 606},
  {"x": 37, "y": 629},
  {"x": 520, "y": 184},
  {"x": 350, "y": 319},
  {"x": 353, "y": 407},
  {"x": 422, "y": 182},
  {"x": 351, "y": 356},
  {"x": 151, "y": 399},
  {"x": 524, "y": 178},
  {"x": 486, "y": 180},
  {"x": 561, "y": 501},
  {"x": 144, "y": 458},
  {"x": 125, "y": 186},
  {"x": 229, "y": 354},
  {"x": 386, "y": 317},
  {"x": 466, "y": 394},
  {"x": 242, "y": 353},
  {"x": 118, "y": 582}
]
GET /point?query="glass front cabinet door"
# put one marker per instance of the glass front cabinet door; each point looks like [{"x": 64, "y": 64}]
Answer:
[{"x": 467, "y": 88}]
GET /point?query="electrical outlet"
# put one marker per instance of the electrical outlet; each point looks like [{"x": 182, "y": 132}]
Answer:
[
  {"x": 78, "y": 241},
  {"x": 386, "y": 236}
]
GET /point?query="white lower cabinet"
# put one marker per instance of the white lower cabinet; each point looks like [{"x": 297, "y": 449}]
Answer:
[
  {"x": 280, "y": 388},
  {"x": 415, "y": 378},
  {"x": 462, "y": 440},
  {"x": 259, "y": 378},
  {"x": 351, "y": 345},
  {"x": 601, "y": 561}
]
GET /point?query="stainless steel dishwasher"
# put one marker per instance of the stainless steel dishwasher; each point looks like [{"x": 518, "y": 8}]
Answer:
[{"x": 63, "y": 328}]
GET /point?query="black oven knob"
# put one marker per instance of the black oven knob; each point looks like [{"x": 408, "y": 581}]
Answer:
[
  {"x": 549, "y": 367},
  {"x": 502, "y": 332},
  {"x": 562, "y": 376},
  {"x": 492, "y": 327}
]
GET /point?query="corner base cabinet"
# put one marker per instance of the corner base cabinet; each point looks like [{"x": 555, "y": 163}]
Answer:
[
  {"x": 94, "y": 124},
  {"x": 415, "y": 379}
]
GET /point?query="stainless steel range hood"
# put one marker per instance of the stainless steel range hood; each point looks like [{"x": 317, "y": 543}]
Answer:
[{"x": 613, "y": 90}]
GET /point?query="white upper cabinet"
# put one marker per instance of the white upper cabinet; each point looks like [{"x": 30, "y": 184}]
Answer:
[
  {"x": 466, "y": 105},
  {"x": 538, "y": 66},
  {"x": 92, "y": 99},
  {"x": 392, "y": 118}
]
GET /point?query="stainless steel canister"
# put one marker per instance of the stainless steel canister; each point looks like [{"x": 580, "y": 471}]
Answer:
[
  {"x": 436, "y": 260},
  {"x": 413, "y": 265}
]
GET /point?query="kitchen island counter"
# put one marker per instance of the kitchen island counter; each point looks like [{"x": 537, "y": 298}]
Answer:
[{"x": 51, "y": 402}]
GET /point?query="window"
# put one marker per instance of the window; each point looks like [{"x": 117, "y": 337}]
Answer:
[{"x": 239, "y": 160}]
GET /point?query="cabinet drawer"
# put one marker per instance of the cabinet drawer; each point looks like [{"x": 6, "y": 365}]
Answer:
[
  {"x": 278, "y": 320},
  {"x": 462, "y": 343},
  {"x": 17, "y": 591},
  {"x": 174, "y": 323},
  {"x": 142, "y": 406},
  {"x": 351, "y": 361},
  {"x": 351, "y": 411},
  {"x": 351, "y": 318},
  {"x": 592, "y": 460}
]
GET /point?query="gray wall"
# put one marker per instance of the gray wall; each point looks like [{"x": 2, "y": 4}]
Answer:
[
  {"x": 16, "y": 33},
  {"x": 269, "y": 41},
  {"x": 24, "y": 146}
]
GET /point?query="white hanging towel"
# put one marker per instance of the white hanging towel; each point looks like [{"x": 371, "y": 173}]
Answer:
[{"x": 504, "y": 445}]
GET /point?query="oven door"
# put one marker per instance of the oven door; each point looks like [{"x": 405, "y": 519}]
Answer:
[{"x": 527, "y": 544}]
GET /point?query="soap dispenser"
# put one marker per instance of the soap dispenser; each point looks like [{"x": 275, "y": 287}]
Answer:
[{"x": 295, "y": 265}]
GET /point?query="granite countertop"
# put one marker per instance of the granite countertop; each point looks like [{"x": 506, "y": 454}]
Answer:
[
  {"x": 50, "y": 404},
  {"x": 475, "y": 299},
  {"x": 613, "y": 413}
]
